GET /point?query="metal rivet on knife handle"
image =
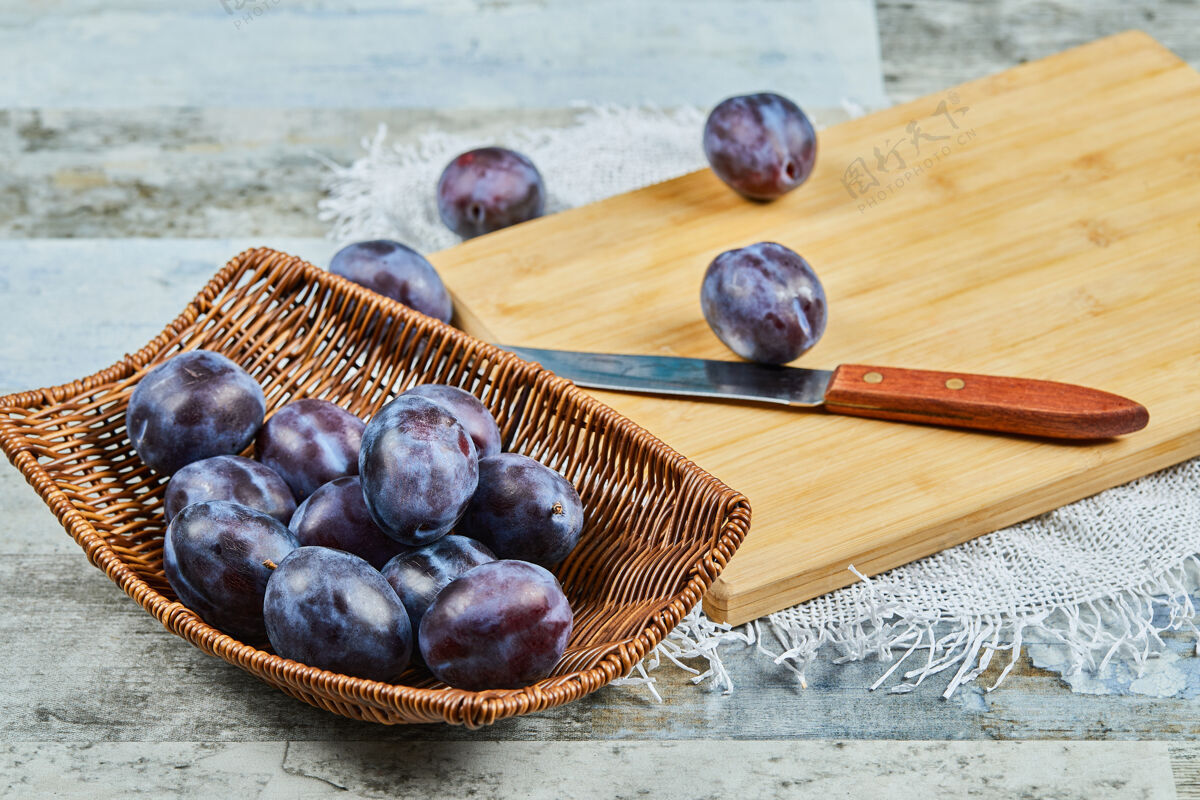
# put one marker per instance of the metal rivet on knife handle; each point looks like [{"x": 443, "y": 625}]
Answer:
[
  {"x": 955, "y": 383},
  {"x": 873, "y": 377}
]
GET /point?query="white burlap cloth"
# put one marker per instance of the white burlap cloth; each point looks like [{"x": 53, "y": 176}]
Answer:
[{"x": 1102, "y": 577}]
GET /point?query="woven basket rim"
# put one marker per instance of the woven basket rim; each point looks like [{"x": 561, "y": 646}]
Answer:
[{"x": 472, "y": 709}]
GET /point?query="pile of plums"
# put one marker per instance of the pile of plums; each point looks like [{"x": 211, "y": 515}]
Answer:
[{"x": 351, "y": 546}]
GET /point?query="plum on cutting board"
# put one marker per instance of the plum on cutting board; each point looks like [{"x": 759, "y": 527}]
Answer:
[
  {"x": 762, "y": 145},
  {"x": 764, "y": 302}
]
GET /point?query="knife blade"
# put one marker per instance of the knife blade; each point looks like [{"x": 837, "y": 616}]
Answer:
[{"x": 984, "y": 402}]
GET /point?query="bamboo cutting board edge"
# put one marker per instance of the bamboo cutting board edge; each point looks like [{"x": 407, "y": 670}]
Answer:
[{"x": 892, "y": 553}]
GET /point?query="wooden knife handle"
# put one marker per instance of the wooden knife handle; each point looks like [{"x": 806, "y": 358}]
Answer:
[{"x": 986, "y": 402}]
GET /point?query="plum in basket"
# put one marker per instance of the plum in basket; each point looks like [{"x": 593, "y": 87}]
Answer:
[
  {"x": 397, "y": 271},
  {"x": 418, "y": 575},
  {"x": 310, "y": 442},
  {"x": 418, "y": 468},
  {"x": 232, "y": 478},
  {"x": 196, "y": 405},
  {"x": 523, "y": 510},
  {"x": 336, "y": 516},
  {"x": 329, "y": 609},
  {"x": 218, "y": 556},
  {"x": 503, "y": 625},
  {"x": 466, "y": 408}
]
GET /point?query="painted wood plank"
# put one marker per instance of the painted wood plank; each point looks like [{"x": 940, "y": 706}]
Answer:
[
  {"x": 1185, "y": 769},
  {"x": 931, "y": 44},
  {"x": 84, "y": 664},
  {"x": 71, "y": 307},
  {"x": 547, "y": 54},
  {"x": 211, "y": 172},
  {"x": 666, "y": 770}
]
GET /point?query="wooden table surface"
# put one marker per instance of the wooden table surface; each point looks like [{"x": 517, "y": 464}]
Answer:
[{"x": 114, "y": 212}]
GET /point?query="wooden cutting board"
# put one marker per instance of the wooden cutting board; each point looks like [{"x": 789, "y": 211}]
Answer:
[{"x": 1043, "y": 222}]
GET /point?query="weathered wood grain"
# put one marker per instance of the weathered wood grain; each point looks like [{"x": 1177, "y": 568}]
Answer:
[
  {"x": 232, "y": 172},
  {"x": 92, "y": 666},
  {"x": 928, "y": 45},
  {"x": 72, "y": 307},
  {"x": 667, "y": 770},
  {"x": 1185, "y": 769},
  {"x": 198, "y": 172},
  {"x": 171, "y": 172},
  {"x": 453, "y": 54}
]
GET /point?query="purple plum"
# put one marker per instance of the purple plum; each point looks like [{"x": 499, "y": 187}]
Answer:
[
  {"x": 764, "y": 302},
  {"x": 488, "y": 189},
  {"x": 196, "y": 405},
  {"x": 471, "y": 414},
  {"x": 310, "y": 442},
  {"x": 762, "y": 145},
  {"x": 330, "y": 609},
  {"x": 233, "y": 478},
  {"x": 336, "y": 516},
  {"x": 418, "y": 575},
  {"x": 523, "y": 510},
  {"x": 503, "y": 625},
  {"x": 419, "y": 468},
  {"x": 218, "y": 556},
  {"x": 397, "y": 271}
]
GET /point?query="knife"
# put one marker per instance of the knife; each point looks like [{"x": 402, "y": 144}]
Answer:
[{"x": 958, "y": 399}]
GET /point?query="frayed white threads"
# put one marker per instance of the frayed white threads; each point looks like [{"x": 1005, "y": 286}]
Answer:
[
  {"x": 388, "y": 192},
  {"x": 1094, "y": 632},
  {"x": 695, "y": 638}
]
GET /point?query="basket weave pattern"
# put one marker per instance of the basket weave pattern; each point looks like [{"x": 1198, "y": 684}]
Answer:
[{"x": 658, "y": 529}]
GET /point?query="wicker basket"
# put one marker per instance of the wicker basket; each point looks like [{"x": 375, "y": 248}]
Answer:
[{"x": 658, "y": 529}]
